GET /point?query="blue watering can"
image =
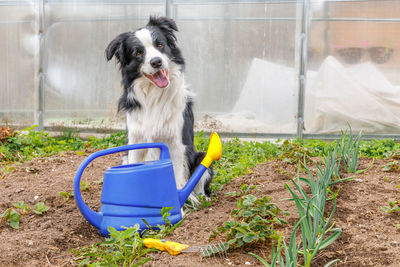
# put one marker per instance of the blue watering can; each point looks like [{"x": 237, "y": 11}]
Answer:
[{"x": 139, "y": 191}]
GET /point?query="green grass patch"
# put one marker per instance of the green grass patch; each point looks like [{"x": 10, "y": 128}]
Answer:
[{"x": 28, "y": 143}]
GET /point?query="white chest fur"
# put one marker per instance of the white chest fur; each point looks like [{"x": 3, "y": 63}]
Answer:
[{"x": 160, "y": 119}]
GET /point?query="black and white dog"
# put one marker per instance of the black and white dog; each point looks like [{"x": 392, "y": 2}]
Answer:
[{"x": 156, "y": 100}]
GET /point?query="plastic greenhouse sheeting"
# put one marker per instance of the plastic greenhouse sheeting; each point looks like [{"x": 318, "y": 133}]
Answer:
[
  {"x": 359, "y": 95},
  {"x": 336, "y": 96},
  {"x": 268, "y": 87}
]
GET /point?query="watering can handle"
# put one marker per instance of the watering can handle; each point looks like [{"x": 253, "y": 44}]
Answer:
[{"x": 94, "y": 217}]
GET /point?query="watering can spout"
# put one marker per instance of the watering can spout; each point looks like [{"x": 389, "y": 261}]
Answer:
[{"x": 214, "y": 152}]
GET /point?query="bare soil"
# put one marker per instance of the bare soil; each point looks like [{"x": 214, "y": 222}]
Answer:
[{"x": 369, "y": 235}]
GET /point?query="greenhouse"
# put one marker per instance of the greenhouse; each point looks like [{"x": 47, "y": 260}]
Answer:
[
  {"x": 258, "y": 68},
  {"x": 200, "y": 133}
]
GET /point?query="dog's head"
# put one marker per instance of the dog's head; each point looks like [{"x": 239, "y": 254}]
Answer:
[{"x": 149, "y": 51}]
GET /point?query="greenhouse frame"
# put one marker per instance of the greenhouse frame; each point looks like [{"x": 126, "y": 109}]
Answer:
[{"x": 268, "y": 69}]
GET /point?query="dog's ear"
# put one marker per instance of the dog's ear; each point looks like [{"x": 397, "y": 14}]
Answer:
[
  {"x": 117, "y": 48},
  {"x": 168, "y": 26},
  {"x": 164, "y": 23}
]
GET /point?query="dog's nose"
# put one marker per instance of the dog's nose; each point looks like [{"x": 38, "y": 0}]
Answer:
[{"x": 156, "y": 62}]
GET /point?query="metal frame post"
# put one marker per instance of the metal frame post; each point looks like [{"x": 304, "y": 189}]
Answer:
[
  {"x": 168, "y": 8},
  {"x": 40, "y": 118},
  {"x": 302, "y": 65}
]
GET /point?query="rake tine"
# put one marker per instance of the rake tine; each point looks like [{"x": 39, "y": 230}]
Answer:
[
  {"x": 212, "y": 251},
  {"x": 203, "y": 252},
  {"x": 206, "y": 251},
  {"x": 222, "y": 249}
]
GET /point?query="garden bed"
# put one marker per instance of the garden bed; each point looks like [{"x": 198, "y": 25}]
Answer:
[{"x": 369, "y": 236}]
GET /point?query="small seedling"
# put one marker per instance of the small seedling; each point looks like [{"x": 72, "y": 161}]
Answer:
[
  {"x": 391, "y": 166},
  {"x": 394, "y": 206},
  {"x": 6, "y": 170},
  {"x": 22, "y": 207},
  {"x": 161, "y": 230},
  {"x": 100, "y": 181},
  {"x": 85, "y": 186},
  {"x": 40, "y": 208},
  {"x": 204, "y": 202},
  {"x": 80, "y": 153},
  {"x": 349, "y": 150},
  {"x": 244, "y": 189},
  {"x": 12, "y": 217},
  {"x": 67, "y": 195}
]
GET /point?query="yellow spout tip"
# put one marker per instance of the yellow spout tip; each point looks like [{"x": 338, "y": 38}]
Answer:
[
  {"x": 214, "y": 151},
  {"x": 215, "y": 147}
]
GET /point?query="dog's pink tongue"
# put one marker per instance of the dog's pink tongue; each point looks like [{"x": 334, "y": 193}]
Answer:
[{"x": 160, "y": 78}]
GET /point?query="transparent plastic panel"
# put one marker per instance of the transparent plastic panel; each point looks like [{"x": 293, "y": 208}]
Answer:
[
  {"x": 81, "y": 87},
  {"x": 18, "y": 68},
  {"x": 240, "y": 62},
  {"x": 353, "y": 73}
]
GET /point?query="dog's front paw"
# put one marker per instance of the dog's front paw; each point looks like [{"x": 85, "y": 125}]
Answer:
[{"x": 124, "y": 160}]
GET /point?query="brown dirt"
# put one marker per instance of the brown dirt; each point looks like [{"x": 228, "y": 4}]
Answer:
[{"x": 369, "y": 236}]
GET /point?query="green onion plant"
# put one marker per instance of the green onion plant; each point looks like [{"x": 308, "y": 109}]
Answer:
[{"x": 349, "y": 147}]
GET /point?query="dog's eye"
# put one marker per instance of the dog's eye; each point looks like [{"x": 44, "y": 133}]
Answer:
[
  {"x": 138, "y": 54},
  {"x": 160, "y": 45}
]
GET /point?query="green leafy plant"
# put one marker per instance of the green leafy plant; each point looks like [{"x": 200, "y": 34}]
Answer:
[
  {"x": 290, "y": 252},
  {"x": 6, "y": 170},
  {"x": 24, "y": 208},
  {"x": 122, "y": 248},
  {"x": 67, "y": 195},
  {"x": 349, "y": 150},
  {"x": 253, "y": 221},
  {"x": 391, "y": 166},
  {"x": 12, "y": 217},
  {"x": 85, "y": 186},
  {"x": 394, "y": 206},
  {"x": 380, "y": 148},
  {"x": 40, "y": 208},
  {"x": 29, "y": 143},
  {"x": 237, "y": 158},
  {"x": 294, "y": 152},
  {"x": 204, "y": 202},
  {"x": 314, "y": 227},
  {"x": 80, "y": 153},
  {"x": 161, "y": 230},
  {"x": 125, "y": 248}
]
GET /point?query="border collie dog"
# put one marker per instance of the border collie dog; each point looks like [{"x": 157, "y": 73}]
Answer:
[{"x": 156, "y": 100}]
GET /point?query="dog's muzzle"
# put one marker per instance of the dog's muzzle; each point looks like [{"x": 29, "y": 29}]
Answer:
[{"x": 160, "y": 78}]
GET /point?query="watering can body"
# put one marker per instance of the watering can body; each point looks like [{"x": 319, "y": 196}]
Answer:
[{"x": 137, "y": 191}]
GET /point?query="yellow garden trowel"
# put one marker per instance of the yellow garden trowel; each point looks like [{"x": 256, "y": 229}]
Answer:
[{"x": 174, "y": 248}]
